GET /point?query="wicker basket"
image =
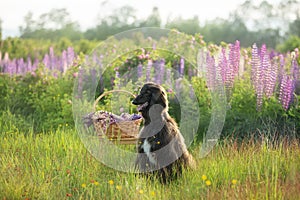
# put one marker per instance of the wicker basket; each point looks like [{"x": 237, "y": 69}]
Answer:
[{"x": 123, "y": 132}]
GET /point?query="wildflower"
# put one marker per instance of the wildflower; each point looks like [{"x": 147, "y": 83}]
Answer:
[
  {"x": 286, "y": 91},
  {"x": 96, "y": 183},
  {"x": 208, "y": 182},
  {"x": 260, "y": 63},
  {"x": 271, "y": 79},
  {"x": 181, "y": 67},
  {"x": 234, "y": 182},
  {"x": 110, "y": 182},
  {"x": 141, "y": 191},
  {"x": 140, "y": 70},
  {"x": 83, "y": 185},
  {"x": 152, "y": 193},
  {"x": 119, "y": 187},
  {"x": 204, "y": 177}
]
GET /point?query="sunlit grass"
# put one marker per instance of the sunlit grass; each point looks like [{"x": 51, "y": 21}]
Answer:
[{"x": 56, "y": 165}]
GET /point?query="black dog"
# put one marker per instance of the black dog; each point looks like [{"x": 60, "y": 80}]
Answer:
[{"x": 161, "y": 148}]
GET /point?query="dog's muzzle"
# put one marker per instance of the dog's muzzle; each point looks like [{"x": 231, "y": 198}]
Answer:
[{"x": 142, "y": 106}]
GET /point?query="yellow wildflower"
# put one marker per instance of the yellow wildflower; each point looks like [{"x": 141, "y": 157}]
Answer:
[
  {"x": 152, "y": 193},
  {"x": 141, "y": 191},
  {"x": 208, "y": 182},
  {"x": 204, "y": 177},
  {"x": 96, "y": 183},
  {"x": 83, "y": 185},
  {"x": 111, "y": 182},
  {"x": 234, "y": 182},
  {"x": 119, "y": 187}
]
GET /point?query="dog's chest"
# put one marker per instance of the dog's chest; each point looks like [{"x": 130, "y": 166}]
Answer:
[{"x": 146, "y": 146}]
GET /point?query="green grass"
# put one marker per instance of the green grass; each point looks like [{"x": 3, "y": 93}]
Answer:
[{"x": 56, "y": 165}]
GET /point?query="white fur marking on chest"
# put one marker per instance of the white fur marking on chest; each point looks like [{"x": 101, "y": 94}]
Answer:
[{"x": 146, "y": 146}]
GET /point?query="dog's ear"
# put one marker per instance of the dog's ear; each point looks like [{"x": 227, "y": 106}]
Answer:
[{"x": 159, "y": 97}]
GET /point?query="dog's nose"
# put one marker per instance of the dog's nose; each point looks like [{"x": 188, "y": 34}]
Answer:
[{"x": 134, "y": 102}]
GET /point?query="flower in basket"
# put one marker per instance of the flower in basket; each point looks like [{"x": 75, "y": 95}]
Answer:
[{"x": 103, "y": 119}]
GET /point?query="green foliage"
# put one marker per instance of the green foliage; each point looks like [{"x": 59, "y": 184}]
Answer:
[
  {"x": 52, "y": 26},
  {"x": 244, "y": 121},
  {"x": 290, "y": 44},
  {"x": 204, "y": 100},
  {"x": 42, "y": 102},
  {"x": 37, "y": 48}
]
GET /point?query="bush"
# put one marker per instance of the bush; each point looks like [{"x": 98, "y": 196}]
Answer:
[{"x": 41, "y": 102}]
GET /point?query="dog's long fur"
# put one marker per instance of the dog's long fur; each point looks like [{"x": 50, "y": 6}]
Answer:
[{"x": 161, "y": 148}]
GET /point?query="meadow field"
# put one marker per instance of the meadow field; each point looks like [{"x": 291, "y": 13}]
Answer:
[
  {"x": 257, "y": 155},
  {"x": 56, "y": 165}
]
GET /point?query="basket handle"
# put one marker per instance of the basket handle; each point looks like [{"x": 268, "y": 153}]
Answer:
[{"x": 109, "y": 92}]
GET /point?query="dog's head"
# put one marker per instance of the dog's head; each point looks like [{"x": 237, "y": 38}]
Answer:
[{"x": 150, "y": 95}]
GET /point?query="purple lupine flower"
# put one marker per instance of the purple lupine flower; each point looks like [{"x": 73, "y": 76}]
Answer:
[
  {"x": 181, "y": 67},
  {"x": 201, "y": 63},
  {"x": 148, "y": 70},
  {"x": 273, "y": 54},
  {"x": 281, "y": 67},
  {"x": 87, "y": 61},
  {"x": 35, "y": 64},
  {"x": 63, "y": 61},
  {"x": 257, "y": 75},
  {"x": 29, "y": 64},
  {"x": 70, "y": 56},
  {"x": 139, "y": 70},
  {"x": 20, "y": 66},
  {"x": 259, "y": 96},
  {"x": 211, "y": 71},
  {"x": 222, "y": 67},
  {"x": 52, "y": 59},
  {"x": 286, "y": 91},
  {"x": 13, "y": 67},
  {"x": 255, "y": 65},
  {"x": 80, "y": 83},
  {"x": 295, "y": 68},
  {"x": 46, "y": 61},
  {"x": 236, "y": 57},
  {"x": 162, "y": 70},
  {"x": 168, "y": 77},
  {"x": 262, "y": 52},
  {"x": 178, "y": 87},
  {"x": 260, "y": 80},
  {"x": 93, "y": 73},
  {"x": 294, "y": 73},
  {"x": 270, "y": 76},
  {"x": 156, "y": 72}
]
